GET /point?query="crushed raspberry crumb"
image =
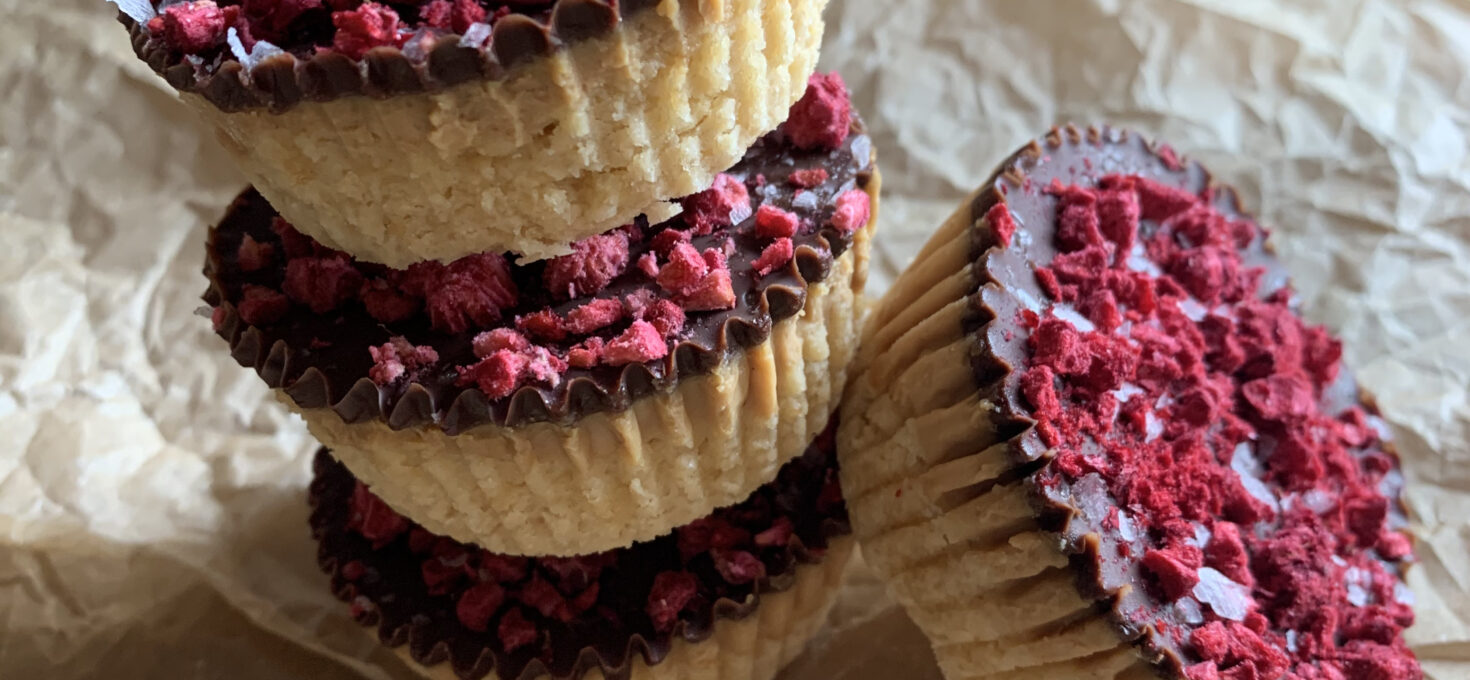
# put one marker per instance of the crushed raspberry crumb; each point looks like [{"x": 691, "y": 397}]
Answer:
[
  {"x": 1002, "y": 225},
  {"x": 665, "y": 241},
  {"x": 594, "y": 262},
  {"x": 721, "y": 205},
  {"x": 254, "y": 255},
  {"x": 295, "y": 243},
  {"x": 260, "y": 305},
  {"x": 641, "y": 342},
  {"x": 672, "y": 591},
  {"x": 822, "y": 117},
  {"x": 192, "y": 27},
  {"x": 852, "y": 211},
  {"x": 515, "y": 630},
  {"x": 587, "y": 353},
  {"x": 714, "y": 291},
  {"x": 469, "y": 291},
  {"x": 490, "y": 342},
  {"x": 359, "y": 30},
  {"x": 684, "y": 270},
  {"x": 478, "y": 604},
  {"x": 322, "y": 283},
  {"x": 544, "y": 326},
  {"x": 594, "y": 315},
  {"x": 807, "y": 178},
  {"x": 398, "y": 357},
  {"x": 386, "y": 304},
  {"x": 666, "y": 317},
  {"x": 496, "y": 375},
  {"x": 372, "y": 518},
  {"x": 738, "y": 566},
  {"x": 775, "y": 256},
  {"x": 773, "y": 222}
]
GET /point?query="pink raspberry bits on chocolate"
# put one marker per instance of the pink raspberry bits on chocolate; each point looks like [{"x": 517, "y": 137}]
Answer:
[
  {"x": 807, "y": 178},
  {"x": 822, "y": 117},
  {"x": 641, "y": 342},
  {"x": 853, "y": 211},
  {"x": 775, "y": 256},
  {"x": 594, "y": 315},
  {"x": 714, "y": 292},
  {"x": 724, "y": 204},
  {"x": 260, "y": 305},
  {"x": 469, "y": 291},
  {"x": 398, "y": 357},
  {"x": 496, "y": 375},
  {"x": 386, "y": 304},
  {"x": 359, "y": 30},
  {"x": 254, "y": 255},
  {"x": 322, "y": 283},
  {"x": 192, "y": 27},
  {"x": 515, "y": 630},
  {"x": 478, "y": 604},
  {"x": 594, "y": 262},
  {"x": 490, "y": 342},
  {"x": 672, "y": 591},
  {"x": 773, "y": 222},
  {"x": 684, "y": 270},
  {"x": 372, "y": 518}
]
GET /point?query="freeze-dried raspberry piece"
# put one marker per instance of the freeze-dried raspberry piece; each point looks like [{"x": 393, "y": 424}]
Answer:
[
  {"x": 515, "y": 630},
  {"x": 373, "y": 519},
  {"x": 1002, "y": 225},
  {"x": 295, "y": 243},
  {"x": 359, "y": 30},
  {"x": 721, "y": 205},
  {"x": 496, "y": 375},
  {"x": 1172, "y": 575},
  {"x": 667, "y": 317},
  {"x": 718, "y": 258},
  {"x": 260, "y": 305},
  {"x": 385, "y": 303},
  {"x": 638, "y": 303},
  {"x": 575, "y": 574},
  {"x": 667, "y": 239},
  {"x": 594, "y": 262},
  {"x": 492, "y": 341},
  {"x": 544, "y": 325},
  {"x": 773, "y": 222},
  {"x": 594, "y": 315},
  {"x": 773, "y": 257},
  {"x": 469, "y": 291},
  {"x": 587, "y": 353},
  {"x": 193, "y": 27},
  {"x": 807, "y": 178},
  {"x": 271, "y": 19},
  {"x": 778, "y": 535},
  {"x": 738, "y": 566},
  {"x": 477, "y": 604},
  {"x": 217, "y": 317},
  {"x": 684, "y": 270},
  {"x": 1159, "y": 201},
  {"x": 672, "y": 591},
  {"x": 540, "y": 595},
  {"x": 648, "y": 264},
  {"x": 822, "y": 117},
  {"x": 500, "y": 568},
  {"x": 253, "y": 255},
  {"x": 853, "y": 210},
  {"x": 709, "y": 533},
  {"x": 641, "y": 342},
  {"x": 397, "y": 357},
  {"x": 714, "y": 292},
  {"x": 322, "y": 283}
]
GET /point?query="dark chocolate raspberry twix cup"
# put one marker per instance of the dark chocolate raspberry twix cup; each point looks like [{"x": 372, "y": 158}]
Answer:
[{"x": 1090, "y": 437}]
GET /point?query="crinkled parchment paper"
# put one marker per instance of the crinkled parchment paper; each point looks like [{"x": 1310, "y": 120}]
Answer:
[{"x": 152, "y": 521}]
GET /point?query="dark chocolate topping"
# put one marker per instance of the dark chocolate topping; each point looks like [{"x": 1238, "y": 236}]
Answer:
[
  {"x": 322, "y": 360},
  {"x": 1082, "y": 511},
  {"x": 387, "y": 587},
  {"x": 436, "y": 60}
]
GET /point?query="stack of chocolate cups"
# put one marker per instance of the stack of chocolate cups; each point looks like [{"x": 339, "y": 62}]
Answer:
[{"x": 568, "y": 291}]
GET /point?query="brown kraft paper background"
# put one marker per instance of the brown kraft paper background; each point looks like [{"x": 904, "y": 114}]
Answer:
[{"x": 152, "y": 513}]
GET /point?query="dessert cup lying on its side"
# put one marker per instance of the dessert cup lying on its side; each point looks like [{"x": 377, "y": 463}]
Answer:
[
  {"x": 733, "y": 596},
  {"x": 582, "y": 404},
  {"x": 1089, "y": 437},
  {"x": 457, "y": 128}
]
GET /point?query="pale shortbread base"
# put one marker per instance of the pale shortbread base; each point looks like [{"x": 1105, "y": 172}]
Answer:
[
  {"x": 611, "y": 479},
  {"x": 753, "y": 648},
  {"x": 920, "y": 463},
  {"x": 566, "y": 147}
]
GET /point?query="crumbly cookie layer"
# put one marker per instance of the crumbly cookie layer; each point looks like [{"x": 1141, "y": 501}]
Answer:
[
  {"x": 565, "y": 147},
  {"x": 610, "y": 479}
]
